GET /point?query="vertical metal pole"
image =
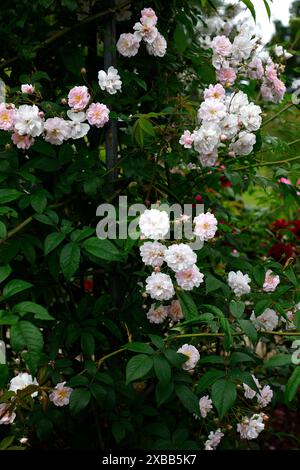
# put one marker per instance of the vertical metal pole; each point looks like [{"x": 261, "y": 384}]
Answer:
[{"x": 111, "y": 141}]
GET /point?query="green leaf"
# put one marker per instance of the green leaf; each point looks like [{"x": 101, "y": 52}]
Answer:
[
  {"x": 208, "y": 379},
  {"x": 8, "y": 195},
  {"x": 38, "y": 201},
  {"x": 147, "y": 126},
  {"x": 14, "y": 287},
  {"x": 188, "y": 305},
  {"x": 6, "y": 442},
  {"x": 250, "y": 6},
  {"x": 279, "y": 360},
  {"x": 237, "y": 308},
  {"x": 157, "y": 341},
  {"x": 3, "y": 231},
  {"x": 223, "y": 395},
  {"x": 290, "y": 274},
  {"x": 6, "y": 318},
  {"x": 187, "y": 398},
  {"x": 212, "y": 284},
  {"x": 237, "y": 357},
  {"x": 258, "y": 274},
  {"x": 225, "y": 325},
  {"x": 248, "y": 329},
  {"x": 25, "y": 334},
  {"x": 162, "y": 368},
  {"x": 212, "y": 359},
  {"x": 4, "y": 272},
  {"x": 69, "y": 259},
  {"x": 293, "y": 384},
  {"x": 87, "y": 344},
  {"x": 40, "y": 313},
  {"x": 103, "y": 249},
  {"x": 242, "y": 376},
  {"x": 52, "y": 241},
  {"x": 267, "y": 8},
  {"x": 174, "y": 358},
  {"x": 139, "y": 347},
  {"x": 137, "y": 367},
  {"x": 79, "y": 400},
  {"x": 163, "y": 391},
  {"x": 180, "y": 39}
]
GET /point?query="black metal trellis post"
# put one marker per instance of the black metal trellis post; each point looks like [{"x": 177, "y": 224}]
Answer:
[{"x": 111, "y": 141}]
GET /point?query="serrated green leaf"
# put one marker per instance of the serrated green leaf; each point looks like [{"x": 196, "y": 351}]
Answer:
[
  {"x": 137, "y": 367},
  {"x": 223, "y": 396},
  {"x": 52, "y": 241},
  {"x": 14, "y": 287},
  {"x": 69, "y": 259}
]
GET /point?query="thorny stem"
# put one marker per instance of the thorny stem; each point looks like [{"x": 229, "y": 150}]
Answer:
[{"x": 288, "y": 106}]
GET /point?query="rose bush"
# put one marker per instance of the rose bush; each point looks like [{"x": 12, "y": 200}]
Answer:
[{"x": 150, "y": 342}]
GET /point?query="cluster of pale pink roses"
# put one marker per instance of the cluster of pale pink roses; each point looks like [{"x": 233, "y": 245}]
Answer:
[
  {"x": 178, "y": 257},
  {"x": 145, "y": 30},
  {"x": 241, "y": 58},
  {"x": 59, "y": 395},
  {"x": 227, "y": 123},
  {"x": 27, "y": 122}
]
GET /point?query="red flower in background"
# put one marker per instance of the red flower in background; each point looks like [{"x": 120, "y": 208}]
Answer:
[
  {"x": 280, "y": 249},
  {"x": 279, "y": 224},
  {"x": 296, "y": 227}
]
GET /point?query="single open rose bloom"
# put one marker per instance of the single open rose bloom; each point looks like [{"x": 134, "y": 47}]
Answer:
[
  {"x": 21, "y": 381},
  {"x": 186, "y": 139},
  {"x": 7, "y": 117},
  {"x": 192, "y": 354},
  {"x": 158, "y": 47},
  {"x": 78, "y": 98},
  {"x": 6, "y": 416},
  {"x": 27, "y": 88},
  {"x": 206, "y": 226},
  {"x": 159, "y": 286},
  {"x": 60, "y": 395},
  {"x": 271, "y": 281},
  {"x": 22, "y": 141},
  {"x": 97, "y": 114},
  {"x": 226, "y": 75},
  {"x": 148, "y": 17},
  {"x": 128, "y": 45},
  {"x": 157, "y": 315},
  {"x": 175, "y": 311},
  {"x": 221, "y": 45}
]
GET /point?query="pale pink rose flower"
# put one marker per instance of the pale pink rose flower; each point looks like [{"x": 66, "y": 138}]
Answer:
[
  {"x": 271, "y": 281},
  {"x": 6, "y": 417},
  {"x": 205, "y": 405},
  {"x": 158, "y": 47},
  {"x": 222, "y": 46},
  {"x": 206, "y": 226},
  {"x": 187, "y": 140},
  {"x": 284, "y": 180},
  {"x": 97, "y": 114},
  {"x": 128, "y": 45},
  {"x": 216, "y": 92},
  {"x": 27, "y": 88},
  {"x": 189, "y": 278},
  {"x": 256, "y": 69},
  {"x": 7, "y": 117},
  {"x": 157, "y": 315},
  {"x": 78, "y": 98},
  {"x": 22, "y": 141},
  {"x": 148, "y": 17},
  {"x": 147, "y": 33},
  {"x": 175, "y": 311},
  {"x": 60, "y": 395},
  {"x": 56, "y": 130},
  {"x": 226, "y": 76}
]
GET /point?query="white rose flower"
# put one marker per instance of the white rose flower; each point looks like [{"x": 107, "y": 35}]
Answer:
[
  {"x": 21, "y": 381},
  {"x": 192, "y": 354},
  {"x": 239, "y": 282},
  {"x": 110, "y": 81},
  {"x": 159, "y": 286},
  {"x": 206, "y": 226},
  {"x": 250, "y": 116},
  {"x": 153, "y": 253},
  {"x": 28, "y": 120},
  {"x": 154, "y": 224},
  {"x": 207, "y": 138},
  {"x": 268, "y": 320},
  {"x": 244, "y": 144},
  {"x": 180, "y": 257}
]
